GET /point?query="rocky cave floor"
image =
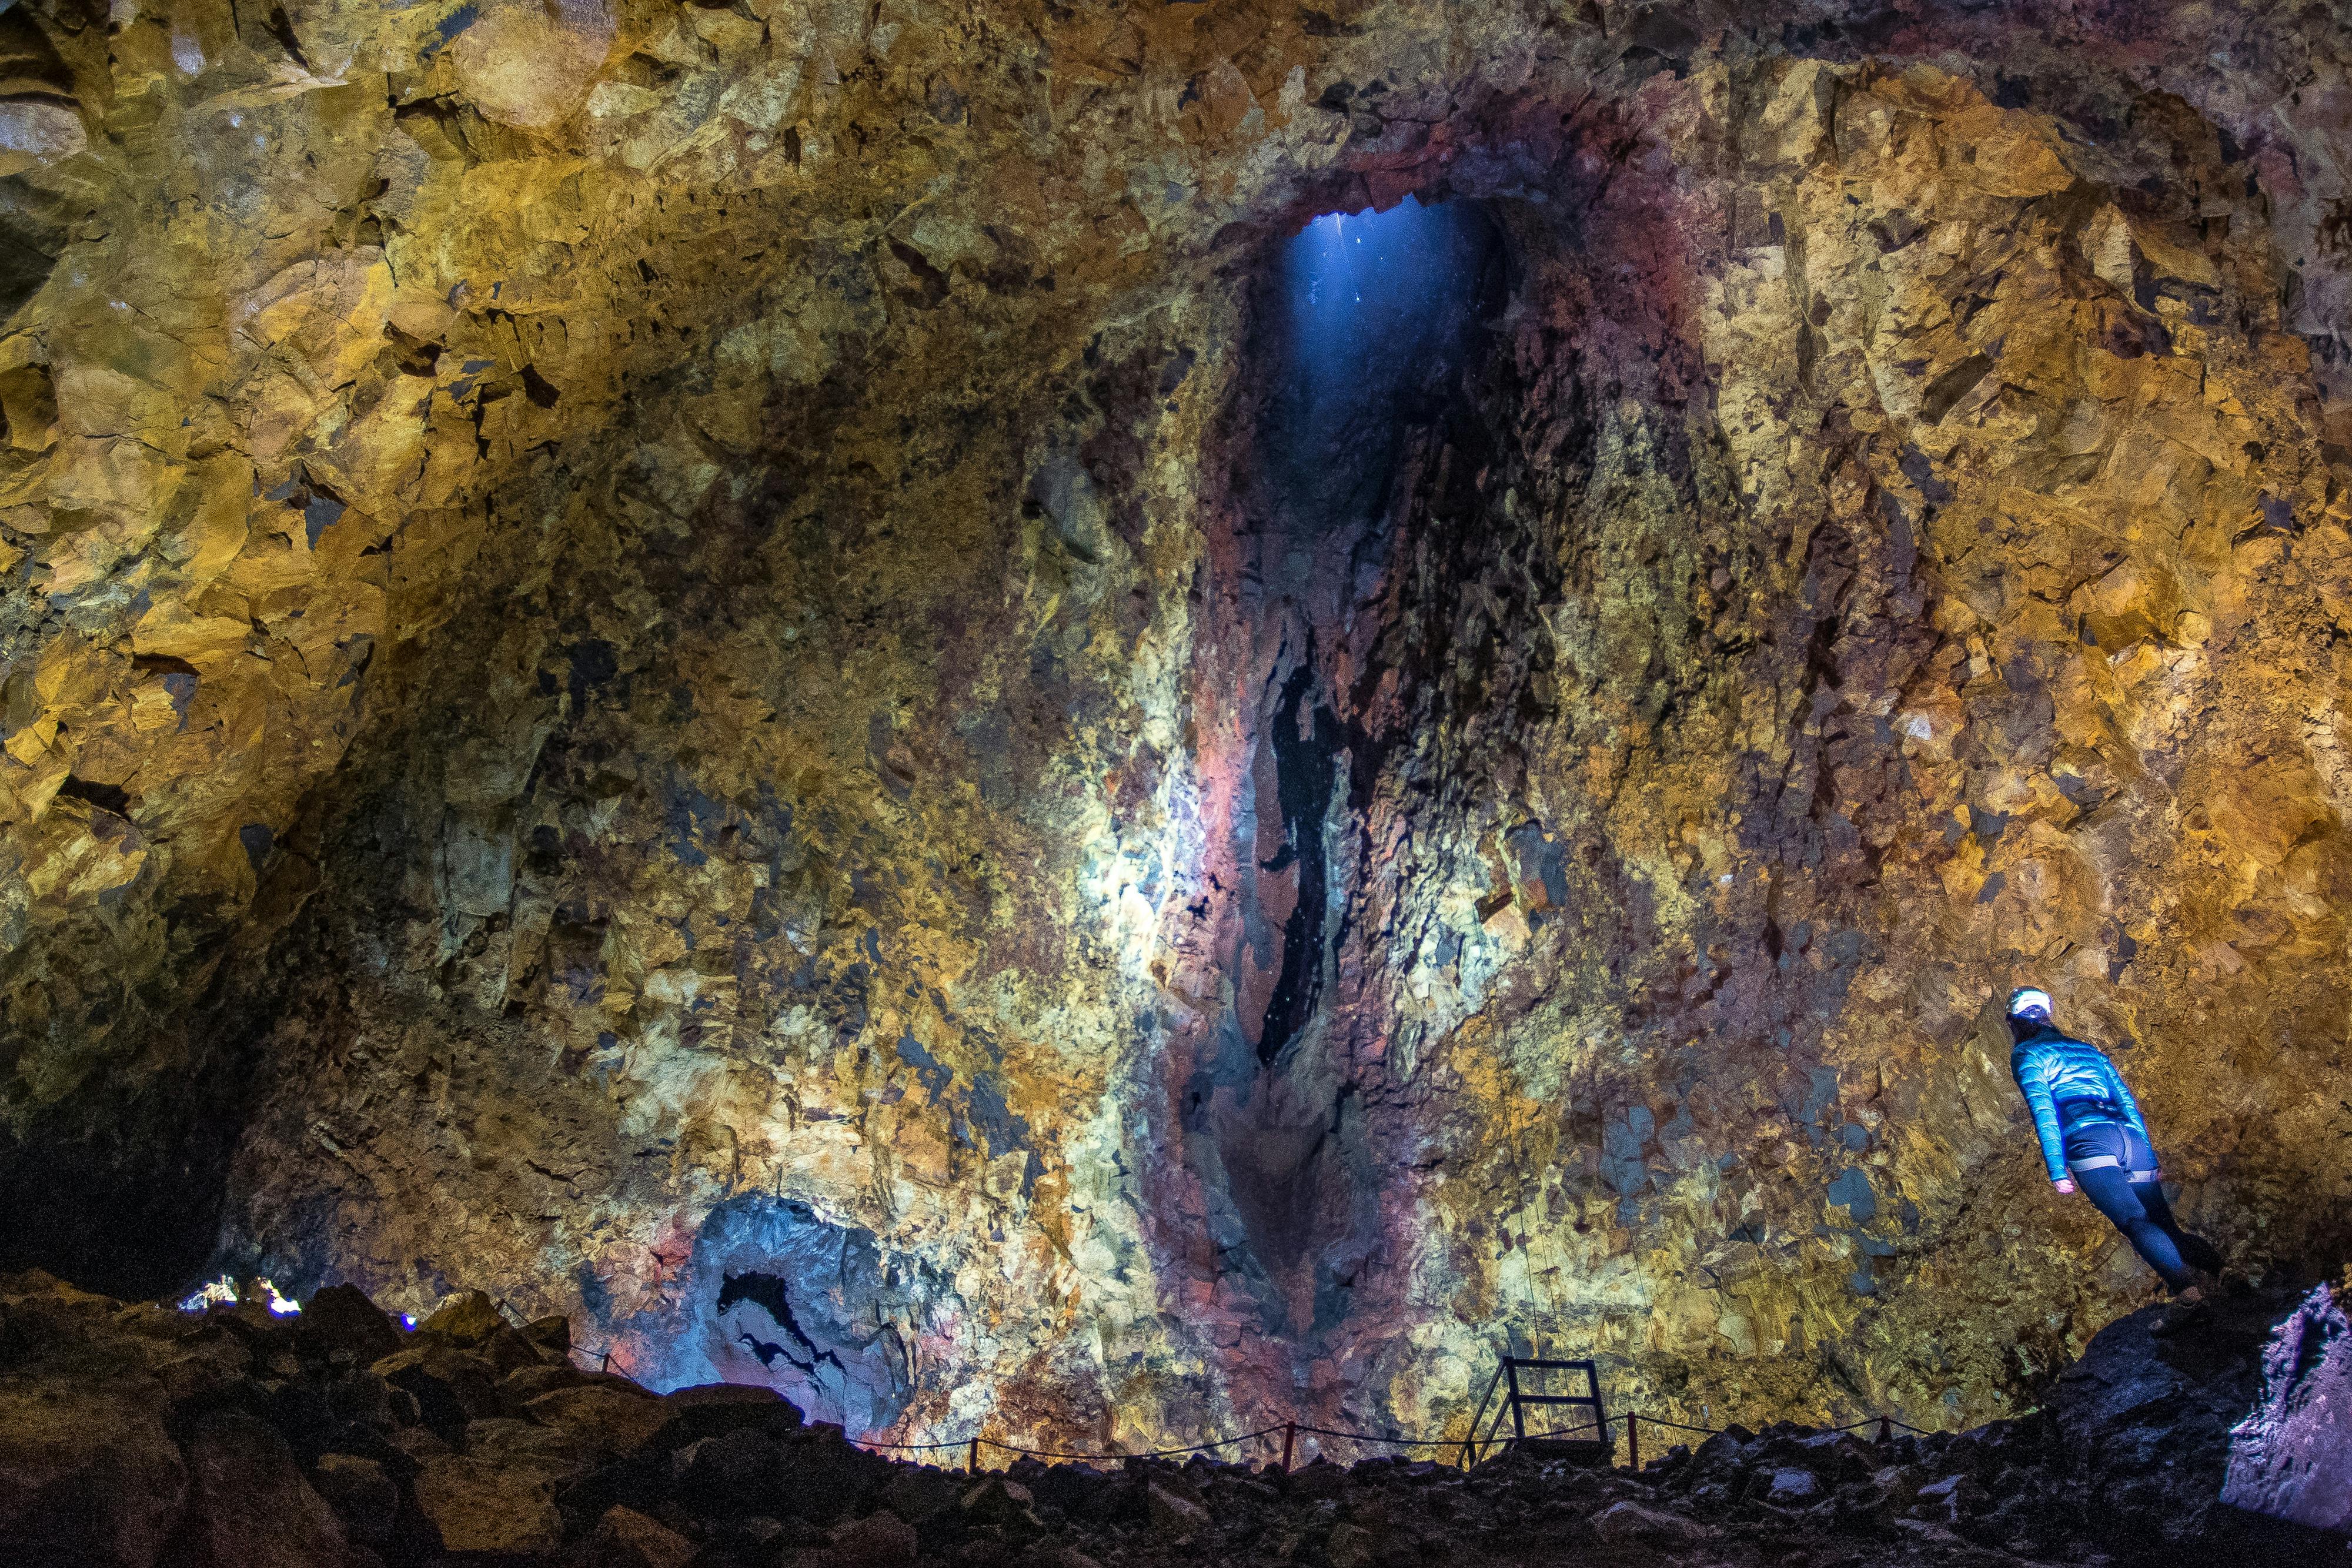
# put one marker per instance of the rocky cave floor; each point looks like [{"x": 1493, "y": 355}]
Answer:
[{"x": 132, "y": 1435}]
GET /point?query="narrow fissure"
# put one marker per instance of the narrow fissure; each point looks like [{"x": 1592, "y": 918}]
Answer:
[
  {"x": 1307, "y": 741},
  {"x": 1371, "y": 333},
  {"x": 1371, "y": 324}
]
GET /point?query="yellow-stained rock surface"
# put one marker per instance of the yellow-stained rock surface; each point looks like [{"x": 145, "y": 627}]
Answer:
[{"x": 686, "y": 660}]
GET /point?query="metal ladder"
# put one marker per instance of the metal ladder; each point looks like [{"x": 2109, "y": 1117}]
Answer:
[{"x": 1598, "y": 1445}]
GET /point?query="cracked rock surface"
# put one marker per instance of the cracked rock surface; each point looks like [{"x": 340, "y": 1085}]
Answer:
[{"x": 734, "y": 668}]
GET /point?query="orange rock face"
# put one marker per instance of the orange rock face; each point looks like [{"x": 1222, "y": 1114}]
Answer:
[{"x": 735, "y": 667}]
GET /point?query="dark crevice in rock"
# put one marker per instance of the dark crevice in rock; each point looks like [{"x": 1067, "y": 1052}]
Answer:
[
  {"x": 768, "y": 1291},
  {"x": 1308, "y": 742}
]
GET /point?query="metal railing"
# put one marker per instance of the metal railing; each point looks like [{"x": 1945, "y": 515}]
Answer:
[{"x": 1515, "y": 1400}]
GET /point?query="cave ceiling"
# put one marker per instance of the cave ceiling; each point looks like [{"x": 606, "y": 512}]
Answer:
[{"x": 752, "y": 671}]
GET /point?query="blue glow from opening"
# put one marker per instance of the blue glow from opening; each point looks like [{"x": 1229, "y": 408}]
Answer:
[
  {"x": 1379, "y": 314},
  {"x": 1355, "y": 278}
]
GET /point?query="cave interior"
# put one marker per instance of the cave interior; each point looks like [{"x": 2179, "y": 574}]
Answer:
[{"x": 1155, "y": 718}]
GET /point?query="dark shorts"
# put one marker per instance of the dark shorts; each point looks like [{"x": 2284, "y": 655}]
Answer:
[{"x": 2100, "y": 1145}]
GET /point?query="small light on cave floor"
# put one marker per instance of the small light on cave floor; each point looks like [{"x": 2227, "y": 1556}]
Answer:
[
  {"x": 409, "y": 1320},
  {"x": 220, "y": 1292},
  {"x": 223, "y": 1292}
]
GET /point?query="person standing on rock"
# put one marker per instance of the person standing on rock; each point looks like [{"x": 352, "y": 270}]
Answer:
[{"x": 2093, "y": 1136}]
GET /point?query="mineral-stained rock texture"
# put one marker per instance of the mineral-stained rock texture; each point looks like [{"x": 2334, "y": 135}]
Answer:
[
  {"x": 730, "y": 666},
  {"x": 2292, "y": 1457}
]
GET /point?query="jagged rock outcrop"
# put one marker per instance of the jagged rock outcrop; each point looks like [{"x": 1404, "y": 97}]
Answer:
[
  {"x": 282, "y": 1446},
  {"x": 2291, "y": 1458},
  {"x": 706, "y": 661}
]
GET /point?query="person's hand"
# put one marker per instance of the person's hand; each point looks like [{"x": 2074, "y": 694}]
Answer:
[{"x": 2065, "y": 1184}]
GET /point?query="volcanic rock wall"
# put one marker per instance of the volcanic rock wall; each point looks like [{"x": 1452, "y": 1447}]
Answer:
[{"x": 671, "y": 655}]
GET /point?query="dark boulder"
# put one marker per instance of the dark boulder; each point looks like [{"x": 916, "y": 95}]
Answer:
[
  {"x": 249, "y": 1506},
  {"x": 822, "y": 1478},
  {"x": 715, "y": 1409},
  {"x": 465, "y": 1321},
  {"x": 361, "y": 1492},
  {"x": 2144, "y": 1419},
  {"x": 341, "y": 1317},
  {"x": 624, "y": 1538},
  {"x": 732, "y": 1473},
  {"x": 449, "y": 1386},
  {"x": 879, "y": 1540},
  {"x": 551, "y": 1334}
]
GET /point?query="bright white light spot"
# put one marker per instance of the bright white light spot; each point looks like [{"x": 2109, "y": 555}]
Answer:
[
  {"x": 279, "y": 1305},
  {"x": 409, "y": 1320},
  {"x": 221, "y": 1292},
  {"x": 187, "y": 54}
]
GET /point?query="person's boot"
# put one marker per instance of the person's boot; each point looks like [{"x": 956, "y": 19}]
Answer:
[{"x": 2184, "y": 1311}]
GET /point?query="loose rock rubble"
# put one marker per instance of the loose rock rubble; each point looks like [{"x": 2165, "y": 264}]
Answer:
[{"x": 133, "y": 1436}]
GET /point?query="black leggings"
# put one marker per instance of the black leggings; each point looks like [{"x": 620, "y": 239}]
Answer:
[{"x": 2137, "y": 1208}]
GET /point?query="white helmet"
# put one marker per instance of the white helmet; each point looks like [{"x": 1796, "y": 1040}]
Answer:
[{"x": 2030, "y": 1001}]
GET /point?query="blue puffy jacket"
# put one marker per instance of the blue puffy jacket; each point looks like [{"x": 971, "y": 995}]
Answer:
[{"x": 2067, "y": 1083}]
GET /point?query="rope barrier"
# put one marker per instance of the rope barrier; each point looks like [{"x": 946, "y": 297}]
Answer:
[
  {"x": 1680, "y": 1425},
  {"x": 974, "y": 1444},
  {"x": 1392, "y": 1442},
  {"x": 977, "y": 1442},
  {"x": 1146, "y": 1454},
  {"x": 1291, "y": 1429},
  {"x": 606, "y": 1359}
]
